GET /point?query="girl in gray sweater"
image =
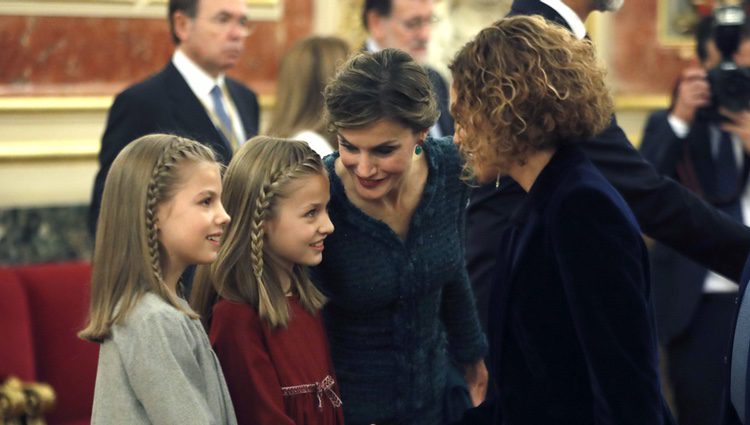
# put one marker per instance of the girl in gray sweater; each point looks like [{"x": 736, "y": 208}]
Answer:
[{"x": 161, "y": 212}]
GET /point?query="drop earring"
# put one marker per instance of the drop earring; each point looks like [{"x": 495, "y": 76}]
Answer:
[
  {"x": 497, "y": 181},
  {"x": 418, "y": 149}
]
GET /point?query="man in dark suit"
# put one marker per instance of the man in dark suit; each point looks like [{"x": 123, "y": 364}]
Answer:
[
  {"x": 693, "y": 306},
  {"x": 572, "y": 336},
  {"x": 406, "y": 25},
  {"x": 665, "y": 210},
  {"x": 191, "y": 96}
]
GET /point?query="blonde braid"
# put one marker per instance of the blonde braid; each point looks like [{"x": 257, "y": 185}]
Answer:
[
  {"x": 267, "y": 192},
  {"x": 263, "y": 205},
  {"x": 257, "y": 234},
  {"x": 164, "y": 167},
  {"x": 152, "y": 234}
]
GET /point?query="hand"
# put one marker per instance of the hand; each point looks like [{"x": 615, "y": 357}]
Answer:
[
  {"x": 693, "y": 93},
  {"x": 738, "y": 124},
  {"x": 476, "y": 378}
]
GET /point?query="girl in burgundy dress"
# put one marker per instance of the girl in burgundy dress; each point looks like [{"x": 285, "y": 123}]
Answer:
[{"x": 257, "y": 300}]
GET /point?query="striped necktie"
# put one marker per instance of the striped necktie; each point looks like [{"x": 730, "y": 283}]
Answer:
[{"x": 225, "y": 123}]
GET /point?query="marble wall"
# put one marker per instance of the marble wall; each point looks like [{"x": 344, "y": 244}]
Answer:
[
  {"x": 41, "y": 235},
  {"x": 641, "y": 61},
  {"x": 83, "y": 55}
]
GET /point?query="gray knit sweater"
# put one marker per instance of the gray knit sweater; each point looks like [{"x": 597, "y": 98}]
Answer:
[
  {"x": 158, "y": 368},
  {"x": 397, "y": 308}
]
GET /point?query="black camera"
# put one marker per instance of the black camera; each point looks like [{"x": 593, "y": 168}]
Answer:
[{"x": 730, "y": 83}]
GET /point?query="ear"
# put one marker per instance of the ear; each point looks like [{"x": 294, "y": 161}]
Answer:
[
  {"x": 182, "y": 24},
  {"x": 376, "y": 25},
  {"x": 423, "y": 134}
]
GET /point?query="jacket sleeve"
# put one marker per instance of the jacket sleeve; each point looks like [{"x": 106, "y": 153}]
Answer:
[
  {"x": 603, "y": 266},
  {"x": 251, "y": 375},
  {"x": 467, "y": 342},
  {"x": 667, "y": 211},
  {"x": 157, "y": 354},
  {"x": 660, "y": 145}
]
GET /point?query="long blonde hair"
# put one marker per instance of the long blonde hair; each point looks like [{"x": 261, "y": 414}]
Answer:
[
  {"x": 245, "y": 270},
  {"x": 127, "y": 254},
  {"x": 305, "y": 70}
]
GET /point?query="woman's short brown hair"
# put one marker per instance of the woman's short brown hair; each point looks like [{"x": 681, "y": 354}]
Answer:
[
  {"x": 387, "y": 85},
  {"x": 524, "y": 85}
]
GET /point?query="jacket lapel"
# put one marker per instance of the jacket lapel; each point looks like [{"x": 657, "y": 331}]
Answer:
[{"x": 190, "y": 114}]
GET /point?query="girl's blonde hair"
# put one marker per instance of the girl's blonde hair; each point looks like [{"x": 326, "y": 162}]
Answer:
[
  {"x": 127, "y": 254},
  {"x": 245, "y": 270},
  {"x": 305, "y": 70}
]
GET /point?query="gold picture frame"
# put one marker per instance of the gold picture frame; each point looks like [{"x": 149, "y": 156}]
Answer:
[{"x": 676, "y": 20}]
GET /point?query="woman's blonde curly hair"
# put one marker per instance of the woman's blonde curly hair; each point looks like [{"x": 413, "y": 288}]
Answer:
[{"x": 525, "y": 85}]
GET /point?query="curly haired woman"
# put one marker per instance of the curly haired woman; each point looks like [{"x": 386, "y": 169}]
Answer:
[{"x": 571, "y": 327}]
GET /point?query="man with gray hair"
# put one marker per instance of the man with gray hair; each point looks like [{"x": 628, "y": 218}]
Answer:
[{"x": 191, "y": 96}]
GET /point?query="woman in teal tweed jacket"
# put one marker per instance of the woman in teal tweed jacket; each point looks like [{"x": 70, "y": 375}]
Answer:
[{"x": 401, "y": 306}]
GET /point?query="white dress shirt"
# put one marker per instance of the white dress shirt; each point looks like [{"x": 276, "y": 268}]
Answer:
[{"x": 573, "y": 20}]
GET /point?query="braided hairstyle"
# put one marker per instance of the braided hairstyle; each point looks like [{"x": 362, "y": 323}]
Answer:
[
  {"x": 245, "y": 270},
  {"x": 127, "y": 256}
]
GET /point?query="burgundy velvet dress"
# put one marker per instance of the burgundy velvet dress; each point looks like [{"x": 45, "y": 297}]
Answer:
[{"x": 276, "y": 377}]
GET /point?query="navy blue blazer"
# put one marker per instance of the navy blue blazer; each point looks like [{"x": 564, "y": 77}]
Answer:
[
  {"x": 678, "y": 280},
  {"x": 665, "y": 210},
  {"x": 571, "y": 329},
  {"x": 164, "y": 103},
  {"x": 730, "y": 416}
]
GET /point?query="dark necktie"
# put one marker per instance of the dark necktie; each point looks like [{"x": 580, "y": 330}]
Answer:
[{"x": 728, "y": 177}]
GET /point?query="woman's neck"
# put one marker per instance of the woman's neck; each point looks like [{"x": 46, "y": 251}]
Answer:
[{"x": 526, "y": 174}]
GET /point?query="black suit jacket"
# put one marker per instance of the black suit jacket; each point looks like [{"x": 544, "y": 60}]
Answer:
[
  {"x": 164, "y": 103},
  {"x": 571, "y": 331},
  {"x": 665, "y": 210},
  {"x": 729, "y": 413},
  {"x": 678, "y": 281}
]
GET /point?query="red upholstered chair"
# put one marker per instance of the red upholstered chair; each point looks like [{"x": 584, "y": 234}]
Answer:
[
  {"x": 58, "y": 297},
  {"x": 17, "y": 352}
]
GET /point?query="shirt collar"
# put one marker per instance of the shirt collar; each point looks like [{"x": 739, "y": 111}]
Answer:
[
  {"x": 372, "y": 46},
  {"x": 197, "y": 79},
  {"x": 574, "y": 21}
]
